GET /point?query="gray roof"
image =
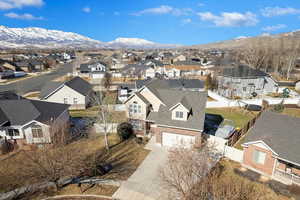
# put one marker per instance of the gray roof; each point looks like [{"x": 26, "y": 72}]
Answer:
[
  {"x": 196, "y": 101},
  {"x": 20, "y": 112},
  {"x": 280, "y": 132},
  {"x": 187, "y": 62},
  {"x": 49, "y": 88},
  {"x": 243, "y": 71},
  {"x": 77, "y": 84},
  {"x": 171, "y": 83},
  {"x": 3, "y": 118}
]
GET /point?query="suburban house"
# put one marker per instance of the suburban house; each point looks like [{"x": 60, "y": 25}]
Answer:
[
  {"x": 245, "y": 82},
  {"x": 126, "y": 90},
  {"x": 76, "y": 92},
  {"x": 189, "y": 68},
  {"x": 94, "y": 70},
  {"x": 271, "y": 148},
  {"x": 173, "y": 116},
  {"x": 28, "y": 122}
]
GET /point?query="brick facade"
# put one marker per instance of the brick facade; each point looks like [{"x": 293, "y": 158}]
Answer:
[{"x": 267, "y": 167}]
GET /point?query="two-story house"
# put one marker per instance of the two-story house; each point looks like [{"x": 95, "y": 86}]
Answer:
[
  {"x": 126, "y": 90},
  {"x": 28, "y": 122},
  {"x": 271, "y": 148},
  {"x": 76, "y": 92},
  {"x": 94, "y": 70},
  {"x": 245, "y": 82},
  {"x": 174, "y": 116}
]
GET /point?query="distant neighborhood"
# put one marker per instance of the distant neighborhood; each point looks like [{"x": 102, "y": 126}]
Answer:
[{"x": 89, "y": 115}]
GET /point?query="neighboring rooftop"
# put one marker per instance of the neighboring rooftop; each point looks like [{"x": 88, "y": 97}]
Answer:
[
  {"x": 171, "y": 83},
  {"x": 280, "y": 132},
  {"x": 77, "y": 84},
  {"x": 20, "y": 112},
  {"x": 243, "y": 71}
]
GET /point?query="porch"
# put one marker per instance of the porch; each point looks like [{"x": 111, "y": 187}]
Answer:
[{"x": 286, "y": 177}]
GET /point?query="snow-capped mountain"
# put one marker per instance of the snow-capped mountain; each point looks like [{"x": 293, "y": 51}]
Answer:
[
  {"x": 44, "y": 38},
  {"x": 137, "y": 43}
]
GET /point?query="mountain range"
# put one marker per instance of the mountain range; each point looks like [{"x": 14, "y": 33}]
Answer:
[{"x": 33, "y": 37}]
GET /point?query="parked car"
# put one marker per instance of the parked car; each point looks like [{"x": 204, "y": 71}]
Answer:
[{"x": 226, "y": 129}]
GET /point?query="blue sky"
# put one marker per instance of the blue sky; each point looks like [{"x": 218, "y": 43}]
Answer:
[{"x": 164, "y": 21}]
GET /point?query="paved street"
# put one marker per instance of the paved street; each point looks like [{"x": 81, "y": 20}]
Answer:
[
  {"x": 36, "y": 83},
  {"x": 145, "y": 183}
]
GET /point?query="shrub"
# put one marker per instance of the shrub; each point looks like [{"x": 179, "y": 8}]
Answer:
[{"x": 125, "y": 130}]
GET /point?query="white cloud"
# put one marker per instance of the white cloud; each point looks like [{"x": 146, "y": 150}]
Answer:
[
  {"x": 10, "y": 4},
  {"x": 164, "y": 9},
  {"x": 86, "y": 9},
  {"x": 200, "y": 4},
  {"x": 278, "y": 11},
  {"x": 25, "y": 16},
  {"x": 274, "y": 28},
  {"x": 186, "y": 21},
  {"x": 230, "y": 19}
]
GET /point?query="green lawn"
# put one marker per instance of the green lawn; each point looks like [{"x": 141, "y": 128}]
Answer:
[
  {"x": 239, "y": 116},
  {"x": 110, "y": 98}
]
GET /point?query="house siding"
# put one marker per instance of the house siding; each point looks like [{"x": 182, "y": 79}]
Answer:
[
  {"x": 267, "y": 167},
  {"x": 70, "y": 94}
]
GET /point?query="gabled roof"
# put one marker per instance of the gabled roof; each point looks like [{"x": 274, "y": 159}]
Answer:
[
  {"x": 20, "y": 112},
  {"x": 171, "y": 83},
  {"x": 78, "y": 84},
  {"x": 49, "y": 88},
  {"x": 243, "y": 71},
  {"x": 279, "y": 132},
  {"x": 196, "y": 101}
]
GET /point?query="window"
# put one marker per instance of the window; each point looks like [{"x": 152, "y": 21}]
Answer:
[
  {"x": 244, "y": 89},
  {"x": 259, "y": 157},
  {"x": 75, "y": 101},
  {"x": 65, "y": 100},
  {"x": 13, "y": 132},
  {"x": 179, "y": 114},
  {"x": 135, "y": 108},
  {"x": 37, "y": 132}
]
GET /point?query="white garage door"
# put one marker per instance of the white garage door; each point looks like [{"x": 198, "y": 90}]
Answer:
[{"x": 176, "y": 140}]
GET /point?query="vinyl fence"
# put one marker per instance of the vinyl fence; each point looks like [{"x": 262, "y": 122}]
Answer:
[{"x": 222, "y": 148}]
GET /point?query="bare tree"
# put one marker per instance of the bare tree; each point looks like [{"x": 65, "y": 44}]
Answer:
[
  {"x": 185, "y": 169},
  {"x": 103, "y": 107}
]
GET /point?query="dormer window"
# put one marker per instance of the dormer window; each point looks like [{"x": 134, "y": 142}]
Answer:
[{"x": 179, "y": 115}]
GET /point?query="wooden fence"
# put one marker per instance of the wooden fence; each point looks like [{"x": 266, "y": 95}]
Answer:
[{"x": 241, "y": 132}]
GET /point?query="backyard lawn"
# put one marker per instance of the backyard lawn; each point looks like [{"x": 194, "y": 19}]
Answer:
[
  {"x": 125, "y": 157},
  {"x": 239, "y": 116},
  {"x": 295, "y": 112},
  {"x": 92, "y": 112}
]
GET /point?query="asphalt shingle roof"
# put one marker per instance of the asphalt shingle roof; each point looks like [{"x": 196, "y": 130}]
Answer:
[
  {"x": 195, "y": 100},
  {"x": 20, "y": 112},
  {"x": 243, "y": 71},
  {"x": 77, "y": 84},
  {"x": 280, "y": 132}
]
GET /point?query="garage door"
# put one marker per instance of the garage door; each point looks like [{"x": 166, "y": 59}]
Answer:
[{"x": 176, "y": 140}]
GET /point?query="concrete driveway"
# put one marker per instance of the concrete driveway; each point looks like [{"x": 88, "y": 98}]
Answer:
[{"x": 145, "y": 183}]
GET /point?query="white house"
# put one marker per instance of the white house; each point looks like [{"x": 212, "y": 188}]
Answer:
[
  {"x": 26, "y": 121},
  {"x": 76, "y": 92}
]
